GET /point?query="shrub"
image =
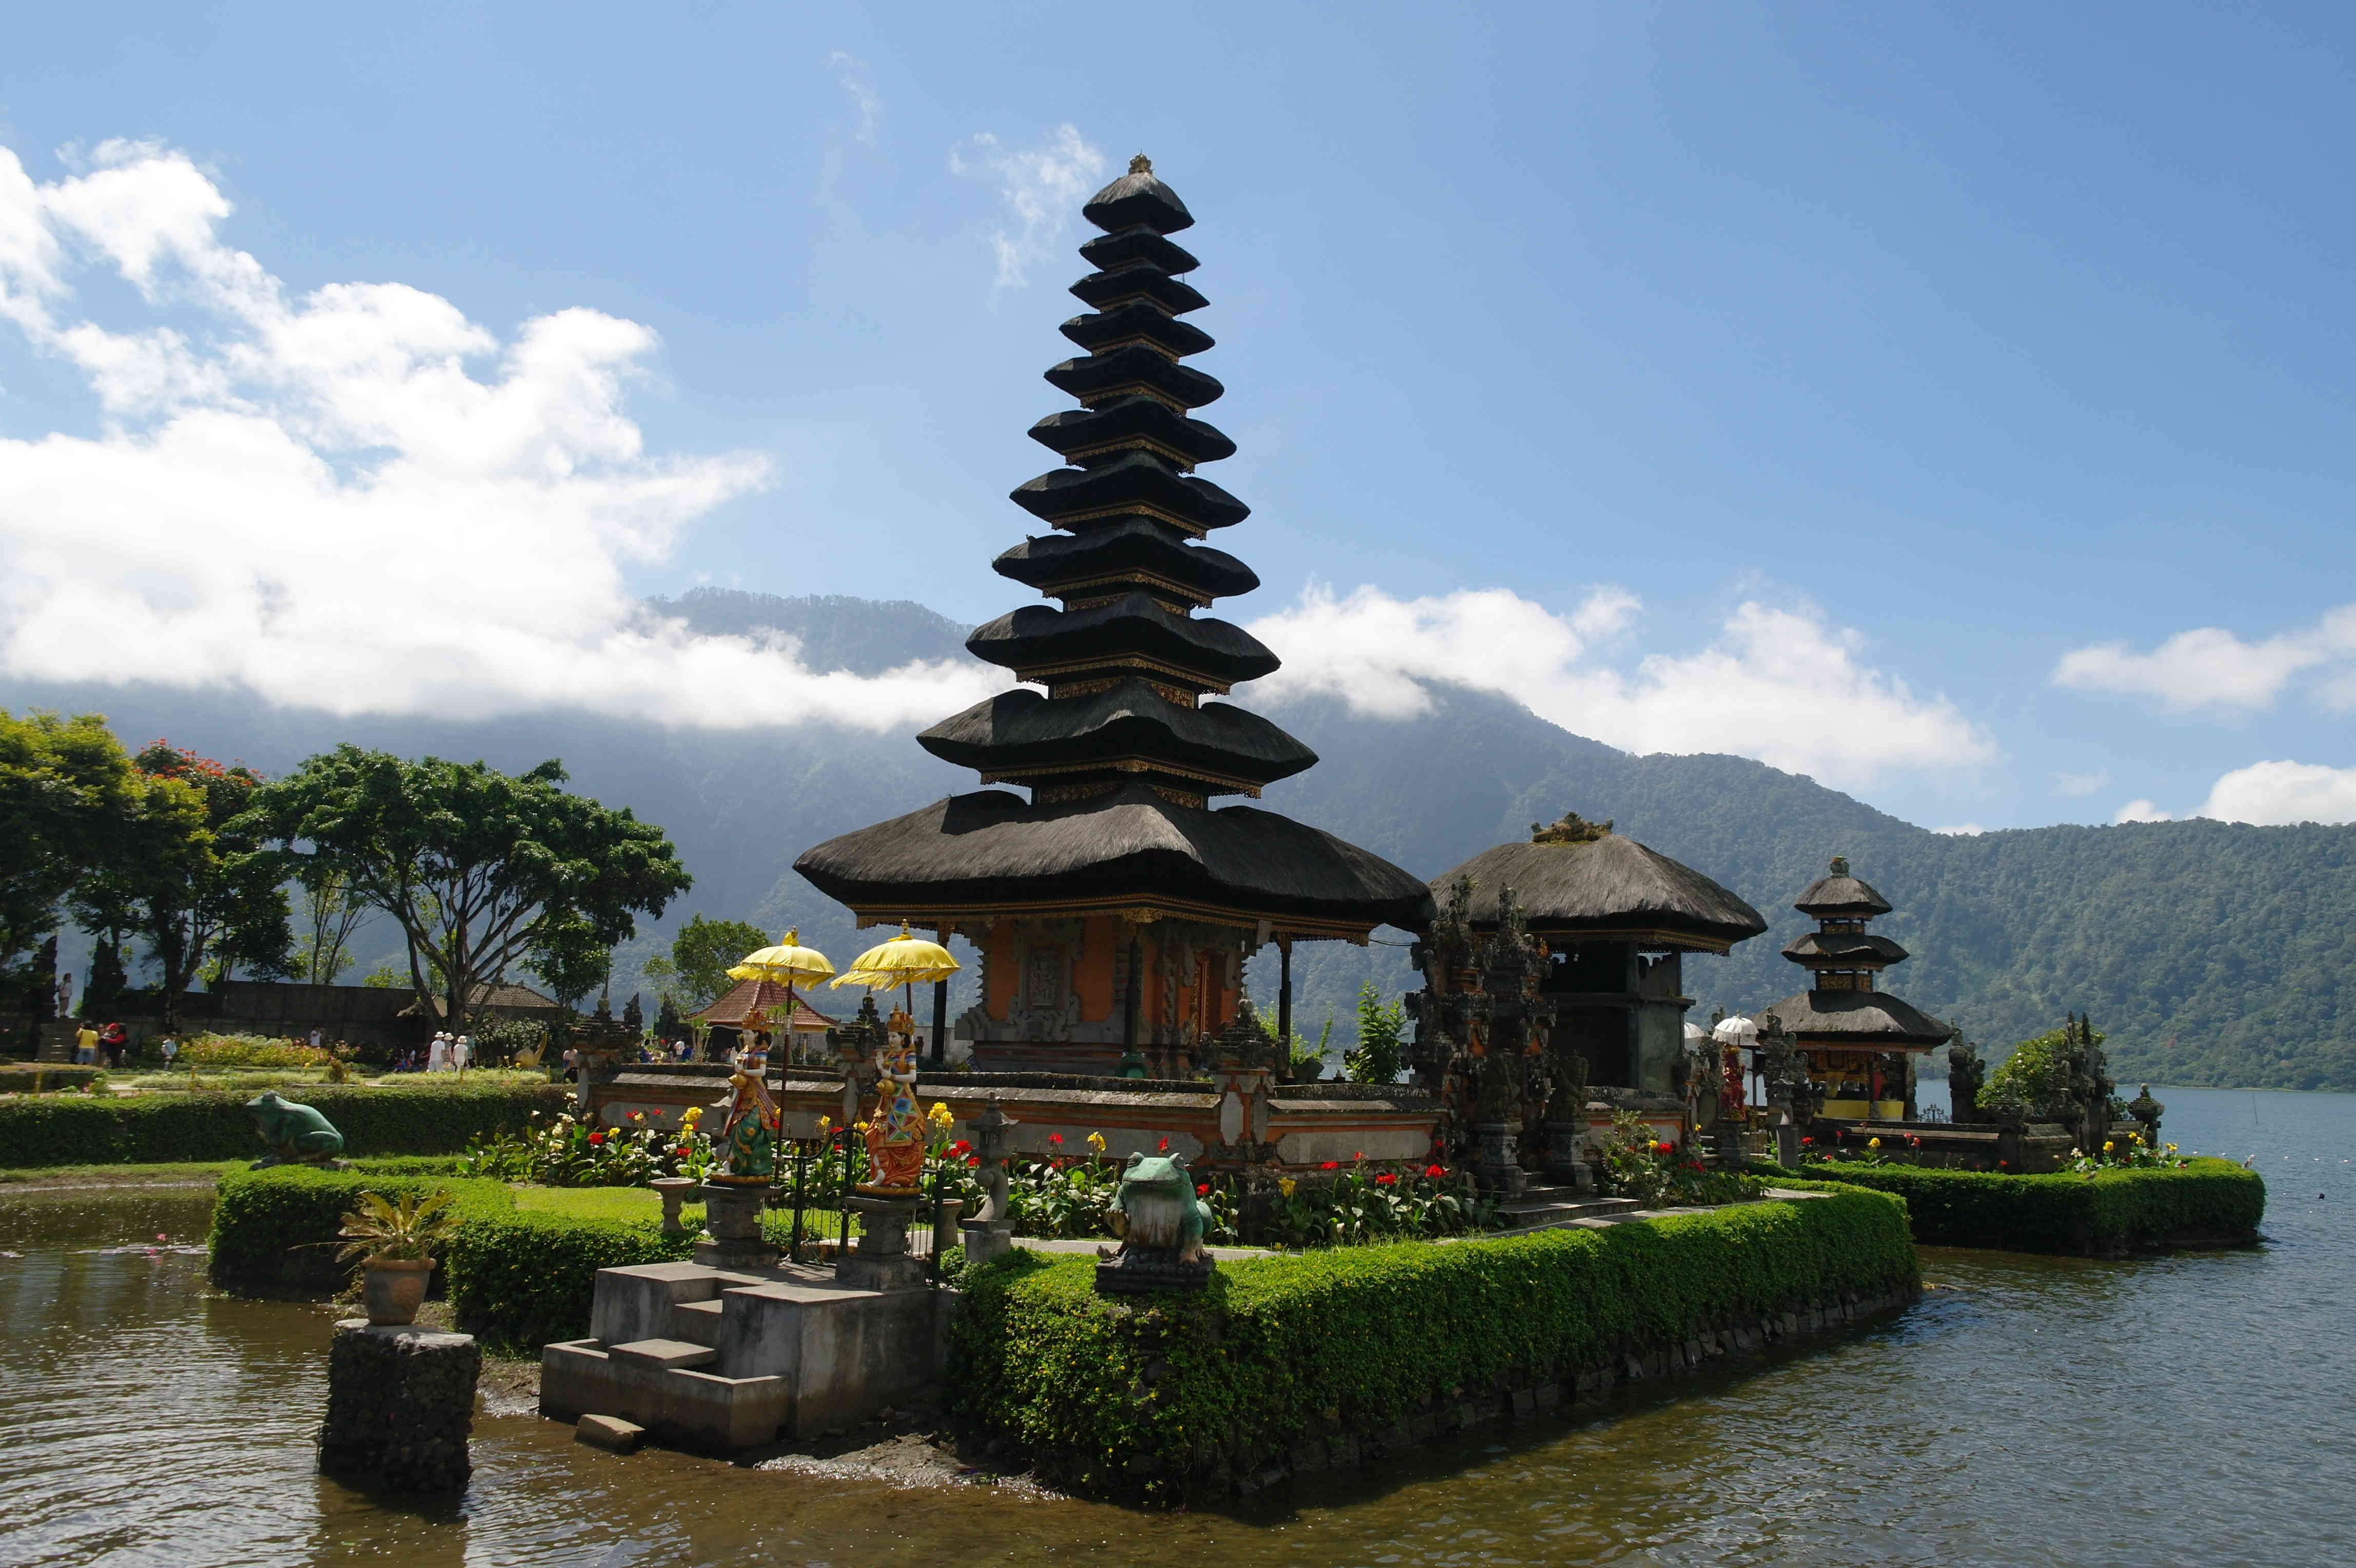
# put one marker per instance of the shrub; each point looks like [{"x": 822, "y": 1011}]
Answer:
[
  {"x": 520, "y": 1279},
  {"x": 275, "y": 1230},
  {"x": 157, "y": 1128},
  {"x": 1167, "y": 1397},
  {"x": 2104, "y": 1213},
  {"x": 250, "y": 1051}
]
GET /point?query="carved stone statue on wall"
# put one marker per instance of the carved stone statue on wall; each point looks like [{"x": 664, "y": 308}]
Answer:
[{"x": 1966, "y": 1075}]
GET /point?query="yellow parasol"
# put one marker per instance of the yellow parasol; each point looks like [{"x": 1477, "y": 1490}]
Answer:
[
  {"x": 904, "y": 961},
  {"x": 785, "y": 964}
]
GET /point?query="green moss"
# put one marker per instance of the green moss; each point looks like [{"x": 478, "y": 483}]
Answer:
[
  {"x": 1165, "y": 1398},
  {"x": 2106, "y": 1214}
]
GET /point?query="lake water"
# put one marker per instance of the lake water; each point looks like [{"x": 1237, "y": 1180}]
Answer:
[{"x": 2192, "y": 1409}]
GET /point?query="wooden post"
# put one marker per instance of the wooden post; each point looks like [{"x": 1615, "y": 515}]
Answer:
[{"x": 1284, "y": 1005}]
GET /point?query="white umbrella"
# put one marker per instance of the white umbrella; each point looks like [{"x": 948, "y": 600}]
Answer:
[{"x": 1739, "y": 1032}]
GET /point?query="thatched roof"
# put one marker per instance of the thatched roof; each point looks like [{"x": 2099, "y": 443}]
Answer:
[
  {"x": 1126, "y": 545},
  {"x": 1134, "y": 478},
  {"x": 991, "y": 850},
  {"x": 1220, "y": 653},
  {"x": 1109, "y": 252},
  {"x": 1023, "y": 729},
  {"x": 766, "y": 996},
  {"x": 1873, "y": 1019},
  {"x": 1137, "y": 198},
  {"x": 1608, "y": 884},
  {"x": 1859, "y": 949},
  {"x": 1840, "y": 897}
]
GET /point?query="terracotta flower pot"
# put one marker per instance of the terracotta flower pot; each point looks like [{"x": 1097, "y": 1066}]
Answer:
[{"x": 393, "y": 1289}]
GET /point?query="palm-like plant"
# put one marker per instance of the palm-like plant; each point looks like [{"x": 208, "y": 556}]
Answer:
[{"x": 406, "y": 1231}]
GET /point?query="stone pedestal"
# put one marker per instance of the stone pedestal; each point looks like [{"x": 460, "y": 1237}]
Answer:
[
  {"x": 732, "y": 1227},
  {"x": 985, "y": 1239},
  {"x": 881, "y": 1261},
  {"x": 1497, "y": 1165},
  {"x": 1787, "y": 1146},
  {"x": 673, "y": 1191},
  {"x": 401, "y": 1402},
  {"x": 1566, "y": 1154}
]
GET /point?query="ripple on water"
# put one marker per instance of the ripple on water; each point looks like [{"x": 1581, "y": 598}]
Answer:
[{"x": 2029, "y": 1411}]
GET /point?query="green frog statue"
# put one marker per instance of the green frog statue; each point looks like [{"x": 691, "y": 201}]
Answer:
[
  {"x": 1160, "y": 1216},
  {"x": 295, "y": 1135}
]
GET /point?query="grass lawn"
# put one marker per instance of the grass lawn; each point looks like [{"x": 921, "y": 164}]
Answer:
[
  {"x": 601, "y": 1202},
  {"x": 121, "y": 1175}
]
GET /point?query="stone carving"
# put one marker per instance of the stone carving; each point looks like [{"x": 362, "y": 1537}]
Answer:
[
  {"x": 1966, "y": 1076},
  {"x": 295, "y": 1135},
  {"x": 1161, "y": 1221},
  {"x": 1571, "y": 828},
  {"x": 2149, "y": 1111}
]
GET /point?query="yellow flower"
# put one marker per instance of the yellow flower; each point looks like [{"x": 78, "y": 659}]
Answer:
[
  {"x": 859, "y": 1127},
  {"x": 942, "y": 1116},
  {"x": 825, "y": 1126},
  {"x": 1873, "y": 1142},
  {"x": 1096, "y": 1142},
  {"x": 2109, "y": 1143},
  {"x": 1285, "y": 1186}
]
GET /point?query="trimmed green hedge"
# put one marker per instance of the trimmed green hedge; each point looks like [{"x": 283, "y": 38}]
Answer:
[
  {"x": 2107, "y": 1214},
  {"x": 516, "y": 1278},
  {"x": 1169, "y": 1397},
  {"x": 522, "y": 1279},
  {"x": 155, "y": 1129},
  {"x": 274, "y": 1230}
]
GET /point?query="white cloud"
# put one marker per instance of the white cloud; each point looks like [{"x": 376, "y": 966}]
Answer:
[
  {"x": 1775, "y": 684},
  {"x": 2083, "y": 783},
  {"x": 851, "y": 75},
  {"x": 2273, "y": 794},
  {"x": 2141, "y": 811},
  {"x": 356, "y": 499},
  {"x": 2211, "y": 667},
  {"x": 1040, "y": 185},
  {"x": 1962, "y": 829}
]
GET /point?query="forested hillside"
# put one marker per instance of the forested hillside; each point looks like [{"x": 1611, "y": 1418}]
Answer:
[{"x": 2211, "y": 954}]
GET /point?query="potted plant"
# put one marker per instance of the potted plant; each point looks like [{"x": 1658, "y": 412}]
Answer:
[{"x": 394, "y": 1243}]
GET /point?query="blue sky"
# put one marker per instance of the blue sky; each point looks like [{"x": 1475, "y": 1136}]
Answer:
[{"x": 1954, "y": 405}]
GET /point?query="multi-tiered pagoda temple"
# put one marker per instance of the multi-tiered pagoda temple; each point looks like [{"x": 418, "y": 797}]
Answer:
[
  {"x": 1114, "y": 908},
  {"x": 1861, "y": 1043}
]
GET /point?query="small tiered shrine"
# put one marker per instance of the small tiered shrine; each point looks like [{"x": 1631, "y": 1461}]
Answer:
[
  {"x": 1862, "y": 1045},
  {"x": 1554, "y": 977},
  {"x": 1114, "y": 908}
]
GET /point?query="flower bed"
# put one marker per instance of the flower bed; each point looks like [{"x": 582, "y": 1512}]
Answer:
[
  {"x": 1172, "y": 1397},
  {"x": 2103, "y": 1213},
  {"x": 401, "y": 1119}
]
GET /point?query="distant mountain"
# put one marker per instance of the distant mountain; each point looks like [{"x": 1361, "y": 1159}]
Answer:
[{"x": 2211, "y": 954}]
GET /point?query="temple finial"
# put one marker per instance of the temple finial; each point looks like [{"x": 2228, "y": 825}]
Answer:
[
  {"x": 1140, "y": 164},
  {"x": 1840, "y": 866}
]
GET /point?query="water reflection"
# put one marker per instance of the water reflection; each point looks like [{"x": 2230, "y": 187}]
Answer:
[{"x": 2031, "y": 1410}]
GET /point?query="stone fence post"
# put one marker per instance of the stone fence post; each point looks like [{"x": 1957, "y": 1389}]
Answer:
[{"x": 400, "y": 1402}]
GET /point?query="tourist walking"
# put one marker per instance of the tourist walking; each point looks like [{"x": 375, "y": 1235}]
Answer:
[
  {"x": 171, "y": 1052},
  {"x": 318, "y": 1039},
  {"x": 115, "y": 1040},
  {"x": 86, "y": 1045},
  {"x": 461, "y": 1051},
  {"x": 437, "y": 1055}
]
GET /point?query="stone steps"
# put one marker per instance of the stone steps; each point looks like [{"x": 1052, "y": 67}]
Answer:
[
  {"x": 667, "y": 1354},
  {"x": 696, "y": 1322},
  {"x": 1540, "y": 1207}
]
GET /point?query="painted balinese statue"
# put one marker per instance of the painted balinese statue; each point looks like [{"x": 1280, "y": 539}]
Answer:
[
  {"x": 896, "y": 1134},
  {"x": 748, "y": 1134},
  {"x": 294, "y": 1133}
]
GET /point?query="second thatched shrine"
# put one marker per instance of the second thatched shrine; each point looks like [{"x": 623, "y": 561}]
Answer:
[
  {"x": 1114, "y": 908},
  {"x": 1554, "y": 991}
]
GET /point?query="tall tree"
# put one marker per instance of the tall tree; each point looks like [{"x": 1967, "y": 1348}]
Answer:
[
  {"x": 703, "y": 950},
  {"x": 571, "y": 961},
  {"x": 481, "y": 870},
  {"x": 193, "y": 883},
  {"x": 331, "y": 912},
  {"x": 70, "y": 801}
]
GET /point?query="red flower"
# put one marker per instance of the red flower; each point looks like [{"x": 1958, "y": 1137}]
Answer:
[
  {"x": 1055, "y": 1137},
  {"x": 1331, "y": 1165},
  {"x": 973, "y": 1159},
  {"x": 682, "y": 1151},
  {"x": 1434, "y": 1172},
  {"x": 960, "y": 1147},
  {"x": 1163, "y": 1147},
  {"x": 595, "y": 1139},
  {"x": 1805, "y": 1141},
  {"x": 1203, "y": 1189},
  {"x": 1385, "y": 1179},
  {"x": 1664, "y": 1148}
]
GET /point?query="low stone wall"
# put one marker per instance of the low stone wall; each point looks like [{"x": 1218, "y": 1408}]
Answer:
[
  {"x": 2036, "y": 1149},
  {"x": 1235, "y": 1118}
]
